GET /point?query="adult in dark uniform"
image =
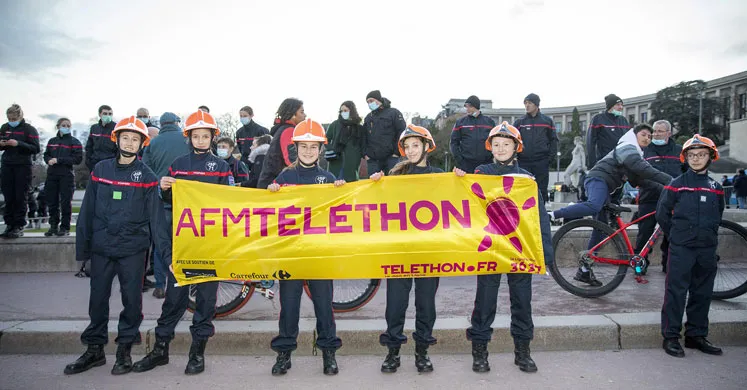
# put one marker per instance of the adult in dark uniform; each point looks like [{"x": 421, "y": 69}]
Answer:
[
  {"x": 540, "y": 142},
  {"x": 62, "y": 153},
  {"x": 468, "y": 137}
]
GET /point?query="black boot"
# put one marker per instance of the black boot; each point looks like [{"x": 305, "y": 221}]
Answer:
[
  {"x": 703, "y": 345},
  {"x": 587, "y": 277},
  {"x": 422, "y": 361},
  {"x": 63, "y": 232},
  {"x": 196, "y": 363},
  {"x": 480, "y": 357},
  {"x": 391, "y": 362},
  {"x": 51, "y": 232},
  {"x": 330, "y": 363},
  {"x": 522, "y": 357},
  {"x": 93, "y": 357},
  {"x": 282, "y": 364},
  {"x": 673, "y": 347},
  {"x": 123, "y": 364},
  {"x": 16, "y": 232},
  {"x": 159, "y": 356}
]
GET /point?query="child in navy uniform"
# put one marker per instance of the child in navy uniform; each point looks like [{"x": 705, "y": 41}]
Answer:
[
  {"x": 415, "y": 143},
  {"x": 689, "y": 213},
  {"x": 200, "y": 165},
  {"x": 119, "y": 217},
  {"x": 504, "y": 141},
  {"x": 308, "y": 137}
]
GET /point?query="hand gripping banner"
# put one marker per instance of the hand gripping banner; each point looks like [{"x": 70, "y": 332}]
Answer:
[{"x": 401, "y": 226}]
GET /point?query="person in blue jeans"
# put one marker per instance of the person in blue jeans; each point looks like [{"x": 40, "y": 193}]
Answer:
[{"x": 607, "y": 176}]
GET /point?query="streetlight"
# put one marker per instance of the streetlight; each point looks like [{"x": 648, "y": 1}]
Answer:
[
  {"x": 700, "y": 111},
  {"x": 558, "y": 173}
]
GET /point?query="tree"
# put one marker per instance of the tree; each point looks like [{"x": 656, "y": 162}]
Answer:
[
  {"x": 565, "y": 140},
  {"x": 228, "y": 125},
  {"x": 680, "y": 105},
  {"x": 576, "y": 123},
  {"x": 442, "y": 136}
]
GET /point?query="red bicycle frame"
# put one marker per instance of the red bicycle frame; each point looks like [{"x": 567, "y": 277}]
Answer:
[{"x": 623, "y": 230}]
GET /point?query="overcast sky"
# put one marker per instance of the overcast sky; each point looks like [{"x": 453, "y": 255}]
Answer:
[{"x": 69, "y": 57}]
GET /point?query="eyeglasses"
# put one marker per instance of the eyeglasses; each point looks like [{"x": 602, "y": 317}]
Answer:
[{"x": 701, "y": 155}]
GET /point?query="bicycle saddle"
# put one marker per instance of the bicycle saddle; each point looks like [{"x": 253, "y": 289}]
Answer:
[{"x": 616, "y": 208}]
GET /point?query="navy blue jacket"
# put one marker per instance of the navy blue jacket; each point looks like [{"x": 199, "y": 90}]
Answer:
[
  {"x": 501, "y": 170},
  {"x": 246, "y": 135},
  {"x": 67, "y": 150},
  {"x": 121, "y": 213},
  {"x": 665, "y": 158},
  {"x": 164, "y": 149},
  {"x": 382, "y": 129},
  {"x": 690, "y": 210},
  {"x": 28, "y": 143},
  {"x": 205, "y": 168},
  {"x": 416, "y": 170},
  {"x": 604, "y": 131},
  {"x": 539, "y": 137},
  {"x": 239, "y": 170},
  {"x": 300, "y": 175},
  {"x": 468, "y": 139},
  {"x": 740, "y": 185},
  {"x": 99, "y": 146}
]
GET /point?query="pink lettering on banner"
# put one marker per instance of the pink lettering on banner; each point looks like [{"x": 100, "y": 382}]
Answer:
[
  {"x": 227, "y": 214},
  {"x": 448, "y": 209},
  {"x": 365, "y": 210},
  {"x": 284, "y": 221},
  {"x": 190, "y": 223},
  {"x": 307, "y": 228},
  {"x": 431, "y": 223},
  {"x": 263, "y": 212},
  {"x": 206, "y": 222},
  {"x": 335, "y": 219},
  {"x": 400, "y": 215}
]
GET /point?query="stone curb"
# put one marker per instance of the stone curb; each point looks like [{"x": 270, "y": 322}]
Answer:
[{"x": 552, "y": 333}]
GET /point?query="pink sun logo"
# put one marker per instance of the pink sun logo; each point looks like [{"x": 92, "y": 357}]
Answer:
[{"x": 503, "y": 215}]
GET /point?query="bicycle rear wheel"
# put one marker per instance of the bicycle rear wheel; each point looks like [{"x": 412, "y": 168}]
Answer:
[
  {"x": 571, "y": 247},
  {"x": 731, "y": 277},
  {"x": 350, "y": 294},
  {"x": 231, "y": 296}
]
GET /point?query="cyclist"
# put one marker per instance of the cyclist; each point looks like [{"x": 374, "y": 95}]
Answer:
[
  {"x": 200, "y": 165},
  {"x": 689, "y": 212},
  {"x": 120, "y": 204},
  {"x": 414, "y": 143},
  {"x": 308, "y": 137},
  {"x": 606, "y": 177},
  {"x": 504, "y": 141}
]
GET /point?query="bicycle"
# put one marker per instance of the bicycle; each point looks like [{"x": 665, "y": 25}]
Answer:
[
  {"x": 611, "y": 258},
  {"x": 349, "y": 295}
]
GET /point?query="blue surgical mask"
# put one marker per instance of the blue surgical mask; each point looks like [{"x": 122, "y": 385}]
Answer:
[
  {"x": 144, "y": 119},
  {"x": 615, "y": 112},
  {"x": 345, "y": 115},
  {"x": 659, "y": 142},
  {"x": 14, "y": 124},
  {"x": 373, "y": 106},
  {"x": 106, "y": 119},
  {"x": 64, "y": 130},
  {"x": 245, "y": 120},
  {"x": 222, "y": 153}
]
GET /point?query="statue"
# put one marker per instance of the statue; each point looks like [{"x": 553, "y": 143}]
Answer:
[{"x": 577, "y": 165}]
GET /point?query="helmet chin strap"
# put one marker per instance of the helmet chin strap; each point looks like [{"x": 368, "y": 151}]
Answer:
[
  {"x": 507, "y": 162},
  {"x": 127, "y": 154}
]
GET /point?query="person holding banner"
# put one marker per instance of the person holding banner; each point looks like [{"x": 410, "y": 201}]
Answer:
[
  {"x": 200, "y": 165},
  {"x": 504, "y": 141},
  {"x": 414, "y": 143},
  {"x": 119, "y": 217},
  {"x": 308, "y": 138},
  {"x": 239, "y": 170}
]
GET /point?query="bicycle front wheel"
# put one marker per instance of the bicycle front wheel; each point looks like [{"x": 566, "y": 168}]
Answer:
[
  {"x": 571, "y": 245},
  {"x": 350, "y": 294},
  {"x": 731, "y": 277},
  {"x": 231, "y": 296}
]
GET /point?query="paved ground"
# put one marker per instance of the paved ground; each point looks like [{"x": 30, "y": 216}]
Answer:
[
  {"x": 36, "y": 296},
  {"x": 630, "y": 369}
]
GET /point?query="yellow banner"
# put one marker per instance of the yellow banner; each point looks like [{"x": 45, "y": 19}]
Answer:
[{"x": 401, "y": 226}]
